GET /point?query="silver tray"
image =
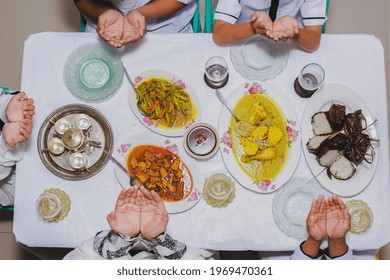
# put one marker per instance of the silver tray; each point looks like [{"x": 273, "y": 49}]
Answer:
[{"x": 99, "y": 131}]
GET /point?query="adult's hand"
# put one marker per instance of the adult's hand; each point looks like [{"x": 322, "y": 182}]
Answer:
[
  {"x": 337, "y": 218},
  {"x": 20, "y": 107},
  {"x": 262, "y": 23},
  {"x": 125, "y": 219},
  {"x": 134, "y": 27},
  {"x": 284, "y": 28},
  {"x": 316, "y": 220},
  {"x": 154, "y": 216},
  {"x": 110, "y": 27}
]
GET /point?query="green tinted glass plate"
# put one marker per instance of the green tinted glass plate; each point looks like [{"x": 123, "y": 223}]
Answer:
[{"x": 93, "y": 72}]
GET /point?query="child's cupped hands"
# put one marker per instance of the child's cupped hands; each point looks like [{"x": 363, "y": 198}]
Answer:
[{"x": 281, "y": 29}]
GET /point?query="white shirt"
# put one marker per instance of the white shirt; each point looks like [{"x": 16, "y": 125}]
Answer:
[
  {"x": 8, "y": 157},
  {"x": 179, "y": 22},
  {"x": 307, "y": 12}
]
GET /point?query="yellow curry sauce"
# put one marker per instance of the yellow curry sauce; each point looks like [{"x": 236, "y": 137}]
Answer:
[
  {"x": 259, "y": 170},
  {"x": 166, "y": 103}
]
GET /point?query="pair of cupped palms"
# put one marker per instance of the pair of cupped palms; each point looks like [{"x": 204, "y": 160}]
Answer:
[
  {"x": 281, "y": 29},
  {"x": 119, "y": 30},
  {"x": 138, "y": 210}
]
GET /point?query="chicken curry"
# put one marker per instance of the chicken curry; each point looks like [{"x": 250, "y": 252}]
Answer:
[{"x": 259, "y": 139}]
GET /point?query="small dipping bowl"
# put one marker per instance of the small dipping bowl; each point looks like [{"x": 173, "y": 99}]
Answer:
[
  {"x": 95, "y": 73},
  {"x": 61, "y": 126},
  {"x": 201, "y": 140},
  {"x": 48, "y": 205},
  {"x": 82, "y": 121},
  {"x": 73, "y": 138},
  {"x": 56, "y": 146},
  {"x": 361, "y": 218},
  {"x": 77, "y": 160},
  {"x": 219, "y": 186}
]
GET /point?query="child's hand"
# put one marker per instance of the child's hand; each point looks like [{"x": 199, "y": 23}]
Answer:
[
  {"x": 17, "y": 132},
  {"x": 284, "y": 28},
  {"x": 19, "y": 107},
  {"x": 262, "y": 23},
  {"x": 110, "y": 27},
  {"x": 134, "y": 27}
]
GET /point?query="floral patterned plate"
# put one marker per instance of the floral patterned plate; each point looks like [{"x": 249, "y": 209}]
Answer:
[
  {"x": 152, "y": 124},
  {"x": 292, "y": 131},
  {"x": 192, "y": 196}
]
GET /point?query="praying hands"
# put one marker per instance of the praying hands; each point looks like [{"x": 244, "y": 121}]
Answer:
[
  {"x": 281, "y": 29},
  {"x": 329, "y": 218},
  {"x": 118, "y": 30},
  {"x": 139, "y": 211}
]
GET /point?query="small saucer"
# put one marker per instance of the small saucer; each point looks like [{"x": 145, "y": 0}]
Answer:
[
  {"x": 217, "y": 202},
  {"x": 301, "y": 91},
  {"x": 221, "y": 84},
  {"x": 65, "y": 204},
  {"x": 361, "y": 215},
  {"x": 201, "y": 140}
]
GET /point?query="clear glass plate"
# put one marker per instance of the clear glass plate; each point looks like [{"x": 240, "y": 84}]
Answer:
[
  {"x": 292, "y": 203},
  {"x": 257, "y": 58},
  {"x": 93, "y": 72}
]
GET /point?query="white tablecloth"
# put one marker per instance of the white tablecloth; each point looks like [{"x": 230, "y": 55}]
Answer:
[{"x": 356, "y": 61}]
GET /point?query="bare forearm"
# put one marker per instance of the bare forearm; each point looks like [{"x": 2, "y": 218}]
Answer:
[
  {"x": 92, "y": 8},
  {"x": 308, "y": 38},
  {"x": 337, "y": 247},
  {"x": 311, "y": 247},
  {"x": 225, "y": 33},
  {"x": 160, "y": 8}
]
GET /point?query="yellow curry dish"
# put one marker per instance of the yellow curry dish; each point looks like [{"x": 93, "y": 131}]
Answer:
[
  {"x": 259, "y": 140},
  {"x": 166, "y": 103}
]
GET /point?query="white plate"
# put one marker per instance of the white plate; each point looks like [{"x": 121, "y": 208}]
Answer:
[
  {"x": 321, "y": 101},
  {"x": 172, "y": 145},
  {"x": 292, "y": 128},
  {"x": 292, "y": 203},
  {"x": 258, "y": 58},
  {"x": 151, "y": 124}
]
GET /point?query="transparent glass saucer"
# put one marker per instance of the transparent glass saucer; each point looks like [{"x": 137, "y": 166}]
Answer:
[
  {"x": 361, "y": 215},
  {"x": 93, "y": 72},
  {"x": 219, "y": 190},
  {"x": 258, "y": 58}
]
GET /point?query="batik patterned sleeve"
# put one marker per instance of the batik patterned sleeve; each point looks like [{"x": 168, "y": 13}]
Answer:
[
  {"x": 112, "y": 245},
  {"x": 168, "y": 248}
]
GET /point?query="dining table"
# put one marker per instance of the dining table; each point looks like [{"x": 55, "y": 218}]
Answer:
[{"x": 355, "y": 61}]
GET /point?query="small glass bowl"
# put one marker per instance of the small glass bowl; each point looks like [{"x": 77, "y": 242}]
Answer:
[
  {"x": 56, "y": 146},
  {"x": 201, "y": 140},
  {"x": 361, "y": 215},
  {"x": 48, "y": 205},
  {"x": 78, "y": 160},
  {"x": 219, "y": 186},
  {"x": 82, "y": 121},
  {"x": 61, "y": 126},
  {"x": 361, "y": 218}
]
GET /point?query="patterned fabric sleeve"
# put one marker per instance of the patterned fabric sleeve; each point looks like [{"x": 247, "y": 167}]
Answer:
[
  {"x": 111, "y": 245},
  {"x": 168, "y": 248}
]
